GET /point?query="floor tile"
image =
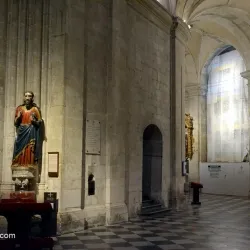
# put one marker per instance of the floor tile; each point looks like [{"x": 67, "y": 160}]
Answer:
[
  {"x": 220, "y": 223},
  {"x": 171, "y": 247}
]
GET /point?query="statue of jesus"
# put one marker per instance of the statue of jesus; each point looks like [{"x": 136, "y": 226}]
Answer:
[{"x": 28, "y": 144}]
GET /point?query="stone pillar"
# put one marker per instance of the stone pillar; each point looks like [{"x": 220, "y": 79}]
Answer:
[
  {"x": 33, "y": 55},
  {"x": 179, "y": 36},
  {"x": 116, "y": 209},
  {"x": 72, "y": 181},
  {"x": 246, "y": 75},
  {"x": 203, "y": 117},
  {"x": 52, "y": 92},
  {"x": 10, "y": 94},
  {"x": 3, "y": 44},
  {"x": 42, "y": 185},
  {"x": 196, "y": 106}
]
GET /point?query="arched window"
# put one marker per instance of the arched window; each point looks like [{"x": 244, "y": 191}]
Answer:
[{"x": 227, "y": 108}]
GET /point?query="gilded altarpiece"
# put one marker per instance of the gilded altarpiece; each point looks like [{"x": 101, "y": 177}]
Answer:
[{"x": 189, "y": 139}]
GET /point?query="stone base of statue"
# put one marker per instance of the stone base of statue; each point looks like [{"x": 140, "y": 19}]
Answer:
[
  {"x": 23, "y": 196},
  {"x": 24, "y": 177}
]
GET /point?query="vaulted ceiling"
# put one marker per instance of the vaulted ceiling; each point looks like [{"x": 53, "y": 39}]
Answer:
[
  {"x": 226, "y": 20},
  {"x": 214, "y": 24}
]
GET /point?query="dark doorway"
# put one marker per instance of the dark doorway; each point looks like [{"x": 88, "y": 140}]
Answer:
[{"x": 152, "y": 163}]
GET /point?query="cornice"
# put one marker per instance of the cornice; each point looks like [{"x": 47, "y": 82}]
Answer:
[{"x": 153, "y": 11}]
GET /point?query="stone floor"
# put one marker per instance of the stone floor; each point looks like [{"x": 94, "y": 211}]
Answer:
[{"x": 221, "y": 223}]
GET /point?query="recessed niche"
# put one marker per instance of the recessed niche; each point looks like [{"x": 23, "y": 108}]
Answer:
[{"x": 91, "y": 185}]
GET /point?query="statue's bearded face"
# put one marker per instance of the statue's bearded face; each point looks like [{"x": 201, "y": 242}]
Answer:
[{"x": 28, "y": 98}]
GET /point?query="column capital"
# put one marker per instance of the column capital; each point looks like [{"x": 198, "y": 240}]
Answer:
[
  {"x": 246, "y": 74},
  {"x": 182, "y": 31}
]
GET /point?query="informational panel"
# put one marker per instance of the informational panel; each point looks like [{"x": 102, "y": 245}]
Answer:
[
  {"x": 214, "y": 171},
  {"x": 225, "y": 178},
  {"x": 93, "y": 137},
  {"x": 53, "y": 164}
]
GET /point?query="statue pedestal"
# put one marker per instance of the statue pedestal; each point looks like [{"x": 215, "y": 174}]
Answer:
[
  {"x": 24, "y": 177},
  {"x": 20, "y": 196},
  {"x": 23, "y": 195}
]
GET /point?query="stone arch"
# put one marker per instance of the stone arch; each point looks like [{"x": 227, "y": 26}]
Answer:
[
  {"x": 213, "y": 54},
  {"x": 214, "y": 26},
  {"x": 204, "y": 79}
]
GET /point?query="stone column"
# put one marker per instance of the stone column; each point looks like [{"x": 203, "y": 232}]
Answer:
[
  {"x": 196, "y": 106},
  {"x": 44, "y": 93},
  {"x": 246, "y": 75},
  {"x": 10, "y": 94},
  {"x": 203, "y": 117},
  {"x": 117, "y": 117},
  {"x": 52, "y": 90},
  {"x": 73, "y": 134},
  {"x": 179, "y": 36},
  {"x": 3, "y": 44}
]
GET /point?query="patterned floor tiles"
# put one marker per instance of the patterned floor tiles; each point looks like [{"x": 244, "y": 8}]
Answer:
[{"x": 221, "y": 223}]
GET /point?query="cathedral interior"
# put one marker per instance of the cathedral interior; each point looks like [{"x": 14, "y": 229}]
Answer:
[{"x": 126, "y": 123}]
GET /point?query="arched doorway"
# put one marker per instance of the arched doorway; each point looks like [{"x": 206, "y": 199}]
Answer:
[{"x": 152, "y": 163}]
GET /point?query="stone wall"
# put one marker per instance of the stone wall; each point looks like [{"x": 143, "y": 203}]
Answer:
[
  {"x": 178, "y": 114},
  {"x": 97, "y": 57},
  {"x": 91, "y": 60},
  {"x": 126, "y": 81},
  {"x": 53, "y": 90},
  {"x": 149, "y": 97}
]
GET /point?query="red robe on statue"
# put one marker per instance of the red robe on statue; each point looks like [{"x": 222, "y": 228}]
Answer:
[{"x": 27, "y": 141}]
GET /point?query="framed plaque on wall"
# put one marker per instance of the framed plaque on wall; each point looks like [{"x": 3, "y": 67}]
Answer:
[
  {"x": 93, "y": 137},
  {"x": 53, "y": 164}
]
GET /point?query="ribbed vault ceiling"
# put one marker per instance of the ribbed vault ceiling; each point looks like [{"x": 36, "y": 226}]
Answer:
[{"x": 228, "y": 20}]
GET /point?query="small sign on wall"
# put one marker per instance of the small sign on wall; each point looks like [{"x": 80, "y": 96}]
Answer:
[
  {"x": 50, "y": 196},
  {"x": 214, "y": 170},
  {"x": 53, "y": 164},
  {"x": 93, "y": 137}
]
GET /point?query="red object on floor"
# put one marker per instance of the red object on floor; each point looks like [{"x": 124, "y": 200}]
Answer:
[{"x": 196, "y": 185}]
